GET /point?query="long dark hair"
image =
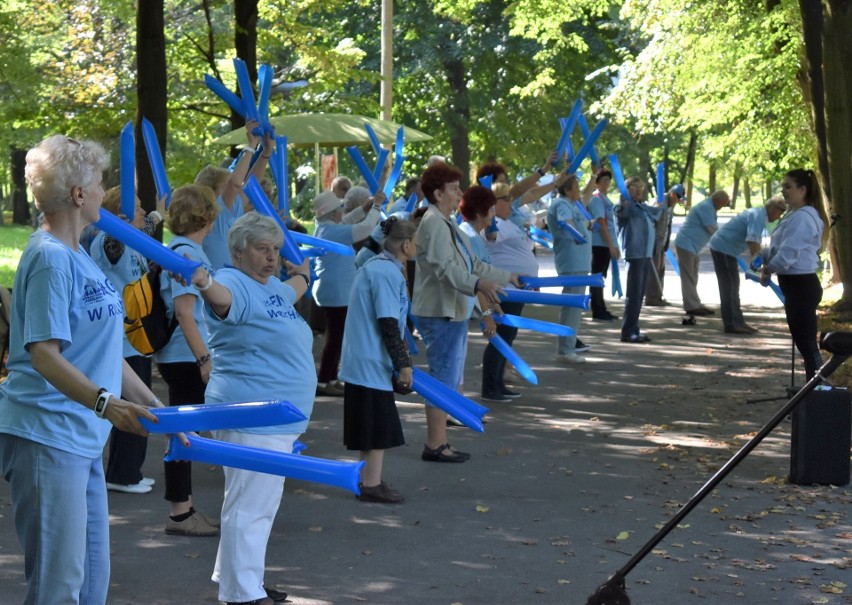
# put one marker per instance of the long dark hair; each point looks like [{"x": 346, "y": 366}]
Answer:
[{"x": 813, "y": 195}]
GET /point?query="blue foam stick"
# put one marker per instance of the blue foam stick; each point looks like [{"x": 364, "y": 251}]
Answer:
[
  {"x": 280, "y": 169},
  {"x": 580, "y": 301},
  {"x": 412, "y": 345},
  {"x": 468, "y": 412},
  {"x": 155, "y": 159},
  {"x": 412, "y": 201},
  {"x": 526, "y": 323},
  {"x": 215, "y": 416},
  {"x": 619, "y": 176},
  {"x": 127, "y": 169},
  {"x": 246, "y": 90},
  {"x": 583, "y": 210},
  {"x": 313, "y": 252},
  {"x": 586, "y": 148},
  {"x": 673, "y": 260},
  {"x": 572, "y": 231},
  {"x": 661, "y": 182},
  {"x": 616, "y": 279},
  {"x": 541, "y": 233},
  {"x": 569, "y": 148},
  {"x": 380, "y": 164},
  {"x": 400, "y": 141},
  {"x": 264, "y": 85},
  {"x": 595, "y": 280},
  {"x": 562, "y": 145},
  {"x": 541, "y": 241},
  {"x": 753, "y": 276},
  {"x": 394, "y": 175},
  {"x": 593, "y": 153},
  {"x": 374, "y": 140},
  {"x": 310, "y": 240},
  {"x": 492, "y": 226},
  {"x": 345, "y": 475},
  {"x": 299, "y": 447},
  {"x": 372, "y": 183},
  {"x": 512, "y": 357},
  {"x": 257, "y": 197},
  {"x": 146, "y": 245},
  {"x": 487, "y": 181},
  {"x": 219, "y": 89}
]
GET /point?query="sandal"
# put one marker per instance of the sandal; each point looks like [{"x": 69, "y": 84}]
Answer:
[{"x": 439, "y": 455}]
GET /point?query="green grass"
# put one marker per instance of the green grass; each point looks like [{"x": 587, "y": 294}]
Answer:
[{"x": 13, "y": 238}]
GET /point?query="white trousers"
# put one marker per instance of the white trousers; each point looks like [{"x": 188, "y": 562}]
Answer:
[{"x": 250, "y": 505}]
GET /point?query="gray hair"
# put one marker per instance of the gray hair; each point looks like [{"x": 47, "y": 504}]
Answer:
[
  {"x": 396, "y": 233},
  {"x": 357, "y": 196},
  {"x": 776, "y": 201},
  {"x": 57, "y": 165},
  {"x": 251, "y": 228}
]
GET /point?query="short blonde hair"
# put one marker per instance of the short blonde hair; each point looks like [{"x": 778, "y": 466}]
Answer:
[
  {"x": 213, "y": 177},
  {"x": 192, "y": 208},
  {"x": 57, "y": 165}
]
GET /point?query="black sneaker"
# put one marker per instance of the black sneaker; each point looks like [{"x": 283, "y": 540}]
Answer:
[
  {"x": 510, "y": 394},
  {"x": 279, "y": 596},
  {"x": 498, "y": 397},
  {"x": 581, "y": 347},
  {"x": 636, "y": 338},
  {"x": 605, "y": 316}
]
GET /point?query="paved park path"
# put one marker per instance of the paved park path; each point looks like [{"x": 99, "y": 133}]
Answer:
[{"x": 564, "y": 486}]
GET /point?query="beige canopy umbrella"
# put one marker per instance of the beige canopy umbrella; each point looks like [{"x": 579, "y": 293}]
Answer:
[{"x": 329, "y": 130}]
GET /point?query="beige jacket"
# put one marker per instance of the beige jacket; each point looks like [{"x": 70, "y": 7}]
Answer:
[{"x": 442, "y": 283}]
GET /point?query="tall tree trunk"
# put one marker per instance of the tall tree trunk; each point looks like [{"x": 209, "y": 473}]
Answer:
[
  {"x": 746, "y": 191},
  {"x": 151, "y": 92},
  {"x": 837, "y": 57},
  {"x": 738, "y": 171},
  {"x": 689, "y": 169},
  {"x": 458, "y": 117},
  {"x": 711, "y": 178},
  {"x": 20, "y": 206},
  {"x": 245, "y": 43}
]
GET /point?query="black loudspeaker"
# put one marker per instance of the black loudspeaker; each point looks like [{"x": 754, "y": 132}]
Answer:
[{"x": 821, "y": 438}]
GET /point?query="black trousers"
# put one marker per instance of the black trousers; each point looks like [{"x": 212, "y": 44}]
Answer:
[
  {"x": 493, "y": 362},
  {"x": 185, "y": 387},
  {"x": 335, "y": 321},
  {"x": 802, "y": 295},
  {"x": 127, "y": 450},
  {"x": 600, "y": 264}
]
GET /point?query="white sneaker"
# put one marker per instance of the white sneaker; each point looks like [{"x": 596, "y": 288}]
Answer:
[
  {"x": 147, "y": 481},
  {"x": 570, "y": 358},
  {"x": 133, "y": 488}
]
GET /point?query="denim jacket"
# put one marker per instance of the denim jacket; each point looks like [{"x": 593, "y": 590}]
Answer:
[{"x": 636, "y": 226}]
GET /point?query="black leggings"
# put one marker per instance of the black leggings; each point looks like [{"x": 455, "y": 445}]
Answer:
[
  {"x": 185, "y": 387},
  {"x": 802, "y": 295}
]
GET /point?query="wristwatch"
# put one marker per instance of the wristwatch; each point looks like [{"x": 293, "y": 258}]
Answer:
[{"x": 102, "y": 402}]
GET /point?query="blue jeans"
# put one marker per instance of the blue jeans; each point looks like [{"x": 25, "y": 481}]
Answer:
[
  {"x": 59, "y": 504},
  {"x": 446, "y": 349},
  {"x": 637, "y": 277}
]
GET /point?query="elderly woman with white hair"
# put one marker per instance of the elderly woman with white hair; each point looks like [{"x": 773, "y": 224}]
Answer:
[
  {"x": 249, "y": 313},
  {"x": 57, "y": 406},
  {"x": 335, "y": 274}
]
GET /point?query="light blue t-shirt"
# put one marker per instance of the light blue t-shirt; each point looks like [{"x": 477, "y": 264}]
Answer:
[
  {"x": 477, "y": 242},
  {"x": 379, "y": 291},
  {"x": 216, "y": 242},
  {"x": 60, "y": 294},
  {"x": 130, "y": 267},
  {"x": 732, "y": 238},
  {"x": 178, "y": 351},
  {"x": 262, "y": 349},
  {"x": 693, "y": 235},
  {"x": 569, "y": 255},
  {"x": 600, "y": 206},
  {"x": 335, "y": 272}
]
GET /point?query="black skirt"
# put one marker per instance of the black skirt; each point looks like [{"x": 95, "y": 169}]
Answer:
[{"x": 370, "y": 419}]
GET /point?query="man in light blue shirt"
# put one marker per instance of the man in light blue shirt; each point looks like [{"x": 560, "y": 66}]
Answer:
[
  {"x": 742, "y": 232},
  {"x": 693, "y": 236}
]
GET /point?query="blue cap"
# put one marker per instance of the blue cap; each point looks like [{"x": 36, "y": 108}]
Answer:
[{"x": 678, "y": 190}]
